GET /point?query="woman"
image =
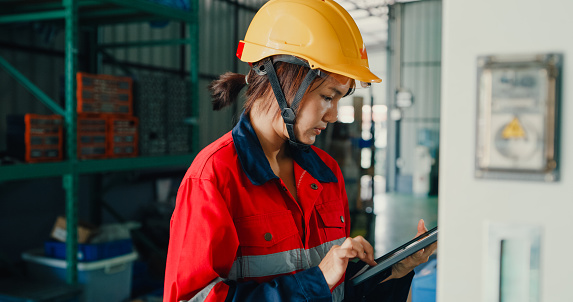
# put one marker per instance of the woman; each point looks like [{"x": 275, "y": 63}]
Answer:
[{"x": 262, "y": 215}]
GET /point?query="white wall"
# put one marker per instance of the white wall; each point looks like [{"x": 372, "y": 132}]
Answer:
[{"x": 471, "y": 29}]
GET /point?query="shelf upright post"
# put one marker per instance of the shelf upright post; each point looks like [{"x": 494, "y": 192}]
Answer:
[
  {"x": 71, "y": 179},
  {"x": 194, "y": 73}
]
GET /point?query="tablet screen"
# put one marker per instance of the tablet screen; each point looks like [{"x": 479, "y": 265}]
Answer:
[{"x": 396, "y": 255}]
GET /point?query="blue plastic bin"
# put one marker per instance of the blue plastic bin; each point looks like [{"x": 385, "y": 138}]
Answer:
[
  {"x": 101, "y": 281},
  {"x": 90, "y": 252},
  {"x": 424, "y": 283}
]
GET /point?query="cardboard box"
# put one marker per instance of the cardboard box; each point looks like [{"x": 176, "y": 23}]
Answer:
[{"x": 59, "y": 232}]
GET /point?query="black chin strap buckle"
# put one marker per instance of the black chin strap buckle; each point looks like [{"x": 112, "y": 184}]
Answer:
[{"x": 288, "y": 115}]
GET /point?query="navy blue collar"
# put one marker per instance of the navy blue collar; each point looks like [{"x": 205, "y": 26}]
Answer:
[{"x": 256, "y": 165}]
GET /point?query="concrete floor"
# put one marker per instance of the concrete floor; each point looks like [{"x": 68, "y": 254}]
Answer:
[{"x": 396, "y": 218}]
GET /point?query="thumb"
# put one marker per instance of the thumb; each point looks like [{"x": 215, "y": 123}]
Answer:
[{"x": 421, "y": 226}]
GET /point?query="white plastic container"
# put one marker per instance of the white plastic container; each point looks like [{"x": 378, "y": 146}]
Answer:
[
  {"x": 423, "y": 162},
  {"x": 106, "y": 280}
]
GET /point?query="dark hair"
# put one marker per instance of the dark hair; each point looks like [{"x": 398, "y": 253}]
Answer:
[{"x": 226, "y": 89}]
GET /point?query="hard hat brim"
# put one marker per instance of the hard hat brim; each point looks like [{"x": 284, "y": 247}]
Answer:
[
  {"x": 253, "y": 52},
  {"x": 358, "y": 73}
]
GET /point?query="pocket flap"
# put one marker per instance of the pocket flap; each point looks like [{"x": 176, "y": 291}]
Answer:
[
  {"x": 265, "y": 230},
  {"x": 331, "y": 214}
]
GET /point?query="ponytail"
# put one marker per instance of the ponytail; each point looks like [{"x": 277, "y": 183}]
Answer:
[{"x": 225, "y": 90}]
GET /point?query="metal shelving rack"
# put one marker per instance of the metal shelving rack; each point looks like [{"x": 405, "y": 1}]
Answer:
[{"x": 95, "y": 13}]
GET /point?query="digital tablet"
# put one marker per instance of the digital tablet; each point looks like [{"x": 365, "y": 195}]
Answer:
[{"x": 396, "y": 256}]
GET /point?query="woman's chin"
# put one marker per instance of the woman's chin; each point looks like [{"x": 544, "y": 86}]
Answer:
[{"x": 309, "y": 140}]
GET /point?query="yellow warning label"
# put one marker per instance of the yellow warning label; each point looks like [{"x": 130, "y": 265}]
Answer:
[{"x": 513, "y": 130}]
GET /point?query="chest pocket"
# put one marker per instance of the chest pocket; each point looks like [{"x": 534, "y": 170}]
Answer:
[
  {"x": 333, "y": 221},
  {"x": 266, "y": 230}
]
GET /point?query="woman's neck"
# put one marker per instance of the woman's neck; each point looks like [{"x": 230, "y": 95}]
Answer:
[{"x": 274, "y": 146}]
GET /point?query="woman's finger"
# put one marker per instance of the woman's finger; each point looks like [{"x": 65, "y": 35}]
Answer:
[
  {"x": 365, "y": 249},
  {"x": 415, "y": 259},
  {"x": 347, "y": 243},
  {"x": 343, "y": 253},
  {"x": 432, "y": 248}
]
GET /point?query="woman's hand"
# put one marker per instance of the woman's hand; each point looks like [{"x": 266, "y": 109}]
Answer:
[
  {"x": 334, "y": 263},
  {"x": 405, "y": 266}
]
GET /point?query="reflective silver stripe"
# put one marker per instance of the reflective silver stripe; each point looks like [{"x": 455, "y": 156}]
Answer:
[
  {"x": 338, "y": 293},
  {"x": 202, "y": 295},
  {"x": 280, "y": 263}
]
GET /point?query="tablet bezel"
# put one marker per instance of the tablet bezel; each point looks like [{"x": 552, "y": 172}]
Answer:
[{"x": 398, "y": 254}]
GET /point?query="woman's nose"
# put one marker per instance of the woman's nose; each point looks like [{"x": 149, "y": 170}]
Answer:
[{"x": 331, "y": 114}]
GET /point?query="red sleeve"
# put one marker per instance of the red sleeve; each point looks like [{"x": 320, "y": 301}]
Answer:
[
  {"x": 346, "y": 206},
  {"x": 340, "y": 178},
  {"x": 202, "y": 244}
]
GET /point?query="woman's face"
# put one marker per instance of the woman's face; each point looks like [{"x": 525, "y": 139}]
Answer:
[{"x": 318, "y": 107}]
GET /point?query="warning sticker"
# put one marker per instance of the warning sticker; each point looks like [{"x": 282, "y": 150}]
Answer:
[{"x": 513, "y": 130}]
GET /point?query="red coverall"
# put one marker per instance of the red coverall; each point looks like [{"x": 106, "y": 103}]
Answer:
[{"x": 237, "y": 234}]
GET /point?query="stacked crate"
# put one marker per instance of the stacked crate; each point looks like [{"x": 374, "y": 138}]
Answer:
[
  {"x": 104, "y": 94},
  {"x": 35, "y": 138},
  {"x": 151, "y": 108},
  {"x": 178, "y": 92},
  {"x": 122, "y": 136},
  {"x": 92, "y": 136},
  {"x": 162, "y": 105},
  {"x": 106, "y": 125}
]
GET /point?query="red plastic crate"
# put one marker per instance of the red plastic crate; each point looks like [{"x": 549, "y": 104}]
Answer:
[
  {"x": 35, "y": 138},
  {"x": 44, "y": 137},
  {"x": 92, "y": 136},
  {"x": 122, "y": 137},
  {"x": 107, "y": 94}
]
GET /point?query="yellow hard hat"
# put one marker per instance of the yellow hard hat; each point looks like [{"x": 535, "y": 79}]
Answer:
[{"x": 318, "y": 31}]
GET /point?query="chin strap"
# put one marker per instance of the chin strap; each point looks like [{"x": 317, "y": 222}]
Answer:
[{"x": 288, "y": 113}]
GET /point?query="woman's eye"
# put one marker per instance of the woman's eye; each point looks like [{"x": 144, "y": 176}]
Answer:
[{"x": 327, "y": 98}]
